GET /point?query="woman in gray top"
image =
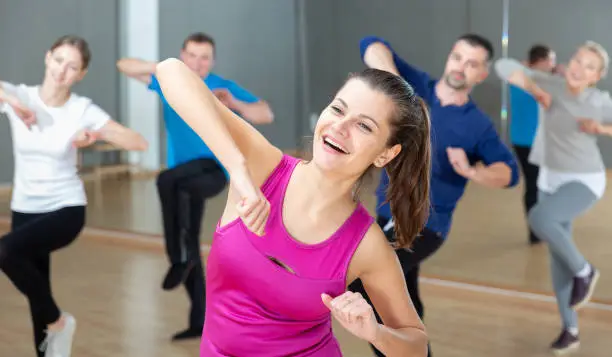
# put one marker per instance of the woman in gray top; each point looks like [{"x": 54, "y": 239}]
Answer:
[{"x": 572, "y": 173}]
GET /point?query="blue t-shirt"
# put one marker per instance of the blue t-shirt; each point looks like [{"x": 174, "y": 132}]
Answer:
[
  {"x": 465, "y": 127},
  {"x": 524, "y": 111},
  {"x": 184, "y": 144}
]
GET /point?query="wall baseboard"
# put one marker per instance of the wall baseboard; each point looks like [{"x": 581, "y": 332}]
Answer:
[
  {"x": 5, "y": 189},
  {"x": 132, "y": 171}
]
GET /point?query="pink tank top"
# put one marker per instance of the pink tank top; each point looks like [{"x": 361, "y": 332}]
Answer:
[{"x": 255, "y": 307}]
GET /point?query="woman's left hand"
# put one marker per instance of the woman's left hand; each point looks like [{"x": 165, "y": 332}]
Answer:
[{"x": 354, "y": 314}]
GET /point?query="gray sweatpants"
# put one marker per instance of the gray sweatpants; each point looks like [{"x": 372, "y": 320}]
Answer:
[{"x": 551, "y": 219}]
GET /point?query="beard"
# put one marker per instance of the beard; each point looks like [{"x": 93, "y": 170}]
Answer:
[{"x": 454, "y": 82}]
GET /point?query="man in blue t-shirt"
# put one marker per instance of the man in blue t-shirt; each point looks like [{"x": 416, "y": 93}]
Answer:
[
  {"x": 524, "y": 112},
  {"x": 465, "y": 144},
  {"x": 194, "y": 174}
]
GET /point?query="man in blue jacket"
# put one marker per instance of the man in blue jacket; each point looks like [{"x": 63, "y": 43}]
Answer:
[{"x": 465, "y": 144}]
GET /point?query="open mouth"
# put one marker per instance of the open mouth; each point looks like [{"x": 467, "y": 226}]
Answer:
[{"x": 334, "y": 145}]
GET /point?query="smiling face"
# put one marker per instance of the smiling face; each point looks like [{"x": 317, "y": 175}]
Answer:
[
  {"x": 352, "y": 132},
  {"x": 584, "y": 69},
  {"x": 67, "y": 61},
  {"x": 467, "y": 66}
]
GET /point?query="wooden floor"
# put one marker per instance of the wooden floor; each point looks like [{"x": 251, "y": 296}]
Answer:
[{"x": 480, "y": 290}]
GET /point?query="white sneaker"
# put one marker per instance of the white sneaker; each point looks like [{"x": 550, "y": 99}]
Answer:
[{"x": 59, "y": 343}]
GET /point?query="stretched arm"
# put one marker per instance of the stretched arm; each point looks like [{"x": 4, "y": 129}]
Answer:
[
  {"x": 9, "y": 98},
  {"x": 245, "y": 104},
  {"x": 136, "y": 68},
  {"x": 402, "y": 332},
  {"x": 257, "y": 113},
  {"x": 514, "y": 72},
  {"x": 98, "y": 125},
  {"x": 234, "y": 142},
  {"x": 120, "y": 136}
]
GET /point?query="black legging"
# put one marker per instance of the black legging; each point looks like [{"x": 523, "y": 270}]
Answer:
[
  {"x": 423, "y": 247},
  {"x": 530, "y": 173},
  {"x": 25, "y": 256},
  {"x": 183, "y": 191}
]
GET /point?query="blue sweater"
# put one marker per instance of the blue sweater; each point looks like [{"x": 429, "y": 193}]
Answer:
[{"x": 465, "y": 127}]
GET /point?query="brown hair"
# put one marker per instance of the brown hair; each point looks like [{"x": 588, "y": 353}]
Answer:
[
  {"x": 77, "y": 42},
  {"x": 409, "y": 171},
  {"x": 199, "y": 37}
]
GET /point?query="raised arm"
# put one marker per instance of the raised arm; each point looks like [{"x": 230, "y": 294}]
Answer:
[
  {"x": 138, "y": 69},
  {"x": 378, "y": 53},
  {"x": 234, "y": 142}
]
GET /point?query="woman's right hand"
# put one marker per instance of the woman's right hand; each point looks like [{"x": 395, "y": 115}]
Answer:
[
  {"x": 23, "y": 112},
  {"x": 252, "y": 206}
]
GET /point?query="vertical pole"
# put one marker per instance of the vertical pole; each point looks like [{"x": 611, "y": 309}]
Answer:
[{"x": 504, "y": 91}]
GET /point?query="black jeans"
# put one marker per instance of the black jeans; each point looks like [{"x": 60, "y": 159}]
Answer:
[
  {"x": 530, "y": 174},
  {"x": 183, "y": 191},
  {"x": 25, "y": 257},
  {"x": 423, "y": 247}
]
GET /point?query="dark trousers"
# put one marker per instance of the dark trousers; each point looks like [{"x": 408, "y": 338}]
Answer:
[
  {"x": 25, "y": 257},
  {"x": 183, "y": 191},
  {"x": 530, "y": 174},
  {"x": 423, "y": 247}
]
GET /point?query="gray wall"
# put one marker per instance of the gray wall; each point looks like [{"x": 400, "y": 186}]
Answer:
[
  {"x": 423, "y": 31},
  {"x": 29, "y": 27},
  {"x": 293, "y": 53},
  {"x": 257, "y": 47}
]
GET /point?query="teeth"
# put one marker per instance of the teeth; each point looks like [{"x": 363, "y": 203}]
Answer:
[{"x": 334, "y": 144}]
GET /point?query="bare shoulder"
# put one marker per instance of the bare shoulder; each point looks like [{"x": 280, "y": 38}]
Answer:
[{"x": 373, "y": 249}]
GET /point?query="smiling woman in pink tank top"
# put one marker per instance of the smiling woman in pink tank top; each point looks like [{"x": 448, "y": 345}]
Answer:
[{"x": 294, "y": 233}]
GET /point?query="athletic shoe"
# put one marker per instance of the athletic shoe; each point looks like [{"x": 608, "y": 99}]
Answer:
[
  {"x": 583, "y": 289},
  {"x": 59, "y": 343},
  {"x": 565, "y": 343}
]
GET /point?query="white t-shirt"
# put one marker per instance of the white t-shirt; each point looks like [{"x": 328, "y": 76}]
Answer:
[{"x": 46, "y": 177}]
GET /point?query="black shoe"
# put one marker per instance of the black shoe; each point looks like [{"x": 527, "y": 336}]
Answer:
[
  {"x": 565, "y": 343},
  {"x": 191, "y": 332},
  {"x": 177, "y": 275},
  {"x": 583, "y": 288}
]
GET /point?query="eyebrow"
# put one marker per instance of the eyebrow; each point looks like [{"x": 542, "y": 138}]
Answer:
[{"x": 361, "y": 115}]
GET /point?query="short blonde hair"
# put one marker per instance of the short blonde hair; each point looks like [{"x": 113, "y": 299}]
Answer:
[{"x": 601, "y": 52}]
